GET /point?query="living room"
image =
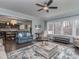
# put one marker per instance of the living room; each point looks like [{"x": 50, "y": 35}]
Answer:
[{"x": 39, "y": 29}]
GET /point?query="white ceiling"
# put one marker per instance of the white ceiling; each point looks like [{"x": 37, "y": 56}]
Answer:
[{"x": 28, "y": 7}]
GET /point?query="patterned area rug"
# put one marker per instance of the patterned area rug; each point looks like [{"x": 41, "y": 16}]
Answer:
[{"x": 29, "y": 53}]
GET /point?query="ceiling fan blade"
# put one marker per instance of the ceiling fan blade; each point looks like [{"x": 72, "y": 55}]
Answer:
[
  {"x": 49, "y": 3},
  {"x": 53, "y": 7},
  {"x": 39, "y": 5},
  {"x": 40, "y": 9}
]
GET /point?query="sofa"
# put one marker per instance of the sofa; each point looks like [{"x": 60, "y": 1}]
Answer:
[
  {"x": 62, "y": 38},
  {"x": 2, "y": 50},
  {"x": 23, "y": 37}
]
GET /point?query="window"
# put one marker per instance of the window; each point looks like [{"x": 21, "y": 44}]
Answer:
[
  {"x": 67, "y": 28},
  {"x": 57, "y": 27},
  {"x": 77, "y": 27},
  {"x": 50, "y": 28},
  {"x": 63, "y": 27}
]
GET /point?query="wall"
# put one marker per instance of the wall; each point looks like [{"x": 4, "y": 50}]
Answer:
[
  {"x": 45, "y": 25},
  {"x": 37, "y": 22}
]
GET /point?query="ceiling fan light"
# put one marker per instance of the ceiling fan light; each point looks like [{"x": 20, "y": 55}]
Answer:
[{"x": 45, "y": 8}]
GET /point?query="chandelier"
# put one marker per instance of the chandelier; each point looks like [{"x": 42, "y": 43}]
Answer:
[{"x": 13, "y": 22}]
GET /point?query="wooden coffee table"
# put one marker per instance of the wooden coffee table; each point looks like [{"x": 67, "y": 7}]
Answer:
[{"x": 46, "y": 51}]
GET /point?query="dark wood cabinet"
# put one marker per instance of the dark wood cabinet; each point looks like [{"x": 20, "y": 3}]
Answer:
[{"x": 10, "y": 35}]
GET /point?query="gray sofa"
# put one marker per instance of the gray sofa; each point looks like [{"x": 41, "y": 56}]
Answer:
[
  {"x": 62, "y": 38},
  {"x": 76, "y": 42}
]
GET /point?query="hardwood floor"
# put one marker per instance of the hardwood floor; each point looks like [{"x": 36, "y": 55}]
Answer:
[{"x": 10, "y": 45}]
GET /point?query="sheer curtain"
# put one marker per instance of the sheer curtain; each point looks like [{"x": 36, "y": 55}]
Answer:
[
  {"x": 61, "y": 27},
  {"x": 67, "y": 28},
  {"x": 70, "y": 27},
  {"x": 77, "y": 27},
  {"x": 51, "y": 28},
  {"x": 57, "y": 27}
]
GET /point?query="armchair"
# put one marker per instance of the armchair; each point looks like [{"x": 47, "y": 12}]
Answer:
[
  {"x": 44, "y": 38},
  {"x": 76, "y": 42}
]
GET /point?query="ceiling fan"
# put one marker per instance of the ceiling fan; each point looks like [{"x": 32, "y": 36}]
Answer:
[{"x": 46, "y": 6}]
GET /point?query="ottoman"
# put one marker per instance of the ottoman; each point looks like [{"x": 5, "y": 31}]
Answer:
[{"x": 46, "y": 51}]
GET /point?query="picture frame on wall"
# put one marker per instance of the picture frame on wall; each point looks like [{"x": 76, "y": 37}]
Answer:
[{"x": 37, "y": 26}]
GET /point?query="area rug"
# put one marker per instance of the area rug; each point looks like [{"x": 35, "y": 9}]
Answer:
[{"x": 29, "y": 53}]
